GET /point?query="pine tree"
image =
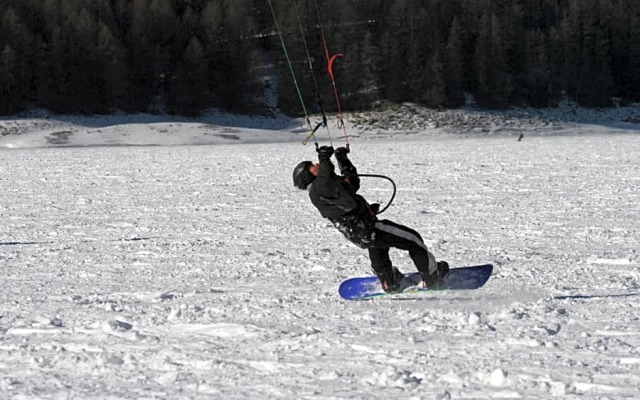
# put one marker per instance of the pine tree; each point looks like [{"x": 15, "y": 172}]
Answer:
[
  {"x": 435, "y": 95},
  {"x": 368, "y": 72},
  {"x": 113, "y": 72},
  {"x": 152, "y": 49},
  {"x": 83, "y": 63},
  {"x": 396, "y": 49},
  {"x": 8, "y": 91},
  {"x": 453, "y": 64},
  {"x": 594, "y": 81},
  {"x": 538, "y": 71},
  {"x": 187, "y": 93},
  {"x": 493, "y": 81},
  {"x": 423, "y": 46},
  {"x": 520, "y": 23},
  {"x": 625, "y": 50},
  {"x": 228, "y": 24},
  {"x": 15, "y": 75}
]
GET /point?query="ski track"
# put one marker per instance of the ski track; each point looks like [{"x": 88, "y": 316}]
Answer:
[{"x": 199, "y": 272}]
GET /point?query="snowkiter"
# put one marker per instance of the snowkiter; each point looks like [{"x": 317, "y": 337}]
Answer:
[{"x": 337, "y": 200}]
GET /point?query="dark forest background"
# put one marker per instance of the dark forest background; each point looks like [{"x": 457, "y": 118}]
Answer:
[{"x": 187, "y": 56}]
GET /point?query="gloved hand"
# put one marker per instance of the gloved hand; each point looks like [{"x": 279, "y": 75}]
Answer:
[
  {"x": 325, "y": 152},
  {"x": 375, "y": 207},
  {"x": 341, "y": 153}
]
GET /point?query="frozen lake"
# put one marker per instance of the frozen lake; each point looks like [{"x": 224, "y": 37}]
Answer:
[{"x": 200, "y": 272}]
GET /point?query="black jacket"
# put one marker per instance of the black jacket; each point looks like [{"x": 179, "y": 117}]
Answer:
[{"x": 337, "y": 200}]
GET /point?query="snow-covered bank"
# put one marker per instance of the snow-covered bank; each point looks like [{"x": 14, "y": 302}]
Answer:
[
  {"x": 199, "y": 272},
  {"x": 565, "y": 119},
  {"x": 41, "y": 129},
  {"x": 406, "y": 121}
]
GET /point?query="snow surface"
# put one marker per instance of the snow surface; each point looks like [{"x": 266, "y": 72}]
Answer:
[{"x": 136, "y": 265}]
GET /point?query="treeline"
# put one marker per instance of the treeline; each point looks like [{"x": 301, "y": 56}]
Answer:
[
  {"x": 98, "y": 56},
  {"x": 185, "y": 56}
]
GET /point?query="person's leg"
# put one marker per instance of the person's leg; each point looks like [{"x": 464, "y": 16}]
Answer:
[
  {"x": 389, "y": 276},
  {"x": 380, "y": 261},
  {"x": 391, "y": 234}
]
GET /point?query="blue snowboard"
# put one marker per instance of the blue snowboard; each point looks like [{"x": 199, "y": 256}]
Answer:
[{"x": 366, "y": 287}]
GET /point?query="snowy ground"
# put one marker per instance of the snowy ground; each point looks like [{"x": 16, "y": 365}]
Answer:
[{"x": 199, "y": 272}]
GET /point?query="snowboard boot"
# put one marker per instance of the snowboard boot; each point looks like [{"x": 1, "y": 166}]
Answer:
[
  {"x": 434, "y": 280},
  {"x": 391, "y": 280}
]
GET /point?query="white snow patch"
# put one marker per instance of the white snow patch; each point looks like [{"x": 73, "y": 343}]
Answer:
[{"x": 154, "y": 257}]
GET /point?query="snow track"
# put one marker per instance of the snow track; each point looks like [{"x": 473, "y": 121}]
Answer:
[{"x": 200, "y": 272}]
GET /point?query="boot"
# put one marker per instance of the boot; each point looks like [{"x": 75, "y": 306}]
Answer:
[
  {"x": 391, "y": 280},
  {"x": 434, "y": 280}
]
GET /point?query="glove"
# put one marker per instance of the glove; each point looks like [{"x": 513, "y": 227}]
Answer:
[
  {"x": 375, "y": 207},
  {"x": 341, "y": 153},
  {"x": 325, "y": 153}
]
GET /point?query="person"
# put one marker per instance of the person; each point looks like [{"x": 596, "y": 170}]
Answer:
[{"x": 337, "y": 200}]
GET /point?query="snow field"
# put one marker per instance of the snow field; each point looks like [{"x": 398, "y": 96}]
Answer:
[{"x": 200, "y": 272}]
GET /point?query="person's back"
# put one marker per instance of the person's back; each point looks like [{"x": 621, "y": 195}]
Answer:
[{"x": 331, "y": 194}]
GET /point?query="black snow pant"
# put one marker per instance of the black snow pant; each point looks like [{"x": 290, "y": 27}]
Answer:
[{"x": 388, "y": 234}]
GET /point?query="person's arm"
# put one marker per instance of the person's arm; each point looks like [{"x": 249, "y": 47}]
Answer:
[
  {"x": 347, "y": 168},
  {"x": 327, "y": 169}
]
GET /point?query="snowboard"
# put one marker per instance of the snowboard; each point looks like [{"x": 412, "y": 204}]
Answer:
[{"x": 464, "y": 278}]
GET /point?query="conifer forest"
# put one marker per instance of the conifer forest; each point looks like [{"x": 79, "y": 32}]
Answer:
[{"x": 186, "y": 56}]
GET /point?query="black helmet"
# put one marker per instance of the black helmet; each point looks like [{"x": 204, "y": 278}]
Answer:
[{"x": 302, "y": 177}]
